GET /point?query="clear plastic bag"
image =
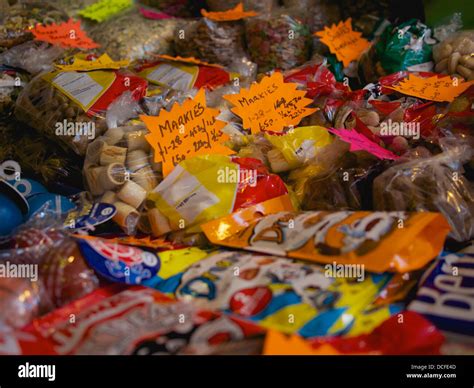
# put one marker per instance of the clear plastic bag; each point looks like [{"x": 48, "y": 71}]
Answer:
[
  {"x": 131, "y": 36},
  {"x": 119, "y": 169},
  {"x": 20, "y": 18},
  {"x": 42, "y": 106},
  {"x": 277, "y": 41},
  {"x": 210, "y": 41},
  {"x": 432, "y": 184},
  {"x": 455, "y": 55}
]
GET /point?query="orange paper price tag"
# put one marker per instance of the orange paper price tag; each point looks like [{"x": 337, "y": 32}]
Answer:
[
  {"x": 66, "y": 34},
  {"x": 236, "y": 13},
  {"x": 190, "y": 60},
  {"x": 186, "y": 130},
  {"x": 279, "y": 344},
  {"x": 271, "y": 104},
  {"x": 345, "y": 43},
  {"x": 433, "y": 88}
]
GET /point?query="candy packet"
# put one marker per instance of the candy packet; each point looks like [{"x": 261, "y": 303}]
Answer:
[
  {"x": 380, "y": 241},
  {"x": 445, "y": 295},
  {"x": 277, "y": 293},
  {"x": 114, "y": 321}
]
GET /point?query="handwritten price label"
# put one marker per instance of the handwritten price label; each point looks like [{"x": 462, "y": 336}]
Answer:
[
  {"x": 359, "y": 142},
  {"x": 433, "y": 88},
  {"x": 236, "y": 13},
  {"x": 270, "y": 105},
  {"x": 67, "y": 34},
  {"x": 345, "y": 43},
  {"x": 186, "y": 130}
]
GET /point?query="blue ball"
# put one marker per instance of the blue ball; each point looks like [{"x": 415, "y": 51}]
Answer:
[{"x": 10, "y": 215}]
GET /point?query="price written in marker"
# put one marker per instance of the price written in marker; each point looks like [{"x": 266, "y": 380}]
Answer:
[
  {"x": 270, "y": 105},
  {"x": 67, "y": 34},
  {"x": 345, "y": 43},
  {"x": 186, "y": 130},
  {"x": 432, "y": 88}
]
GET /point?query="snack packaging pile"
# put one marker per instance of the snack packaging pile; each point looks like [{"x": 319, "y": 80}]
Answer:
[{"x": 248, "y": 177}]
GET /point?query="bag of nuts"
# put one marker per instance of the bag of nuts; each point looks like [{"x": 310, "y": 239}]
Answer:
[
  {"x": 119, "y": 169},
  {"x": 455, "y": 55},
  {"x": 69, "y": 106}
]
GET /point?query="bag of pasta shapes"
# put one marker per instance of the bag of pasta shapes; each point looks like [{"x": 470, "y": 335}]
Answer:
[
  {"x": 432, "y": 184},
  {"x": 69, "y": 106},
  {"x": 277, "y": 41},
  {"x": 119, "y": 169}
]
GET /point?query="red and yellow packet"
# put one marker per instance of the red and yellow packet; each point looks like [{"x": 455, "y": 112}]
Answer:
[{"x": 380, "y": 241}]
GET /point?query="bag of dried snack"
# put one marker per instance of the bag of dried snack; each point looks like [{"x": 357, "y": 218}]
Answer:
[
  {"x": 277, "y": 40},
  {"x": 131, "y": 36},
  {"x": 432, "y": 184},
  {"x": 216, "y": 38},
  {"x": 69, "y": 106},
  {"x": 20, "y": 18},
  {"x": 455, "y": 55}
]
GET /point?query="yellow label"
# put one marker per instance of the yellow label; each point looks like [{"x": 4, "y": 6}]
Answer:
[
  {"x": 82, "y": 88},
  {"x": 101, "y": 63}
]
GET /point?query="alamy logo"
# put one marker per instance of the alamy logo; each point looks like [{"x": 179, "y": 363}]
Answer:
[
  {"x": 71, "y": 128},
  {"x": 24, "y": 271},
  {"x": 239, "y": 175},
  {"x": 37, "y": 371},
  {"x": 354, "y": 271},
  {"x": 394, "y": 128}
]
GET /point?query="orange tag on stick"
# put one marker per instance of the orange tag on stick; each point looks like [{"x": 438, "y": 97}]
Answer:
[
  {"x": 67, "y": 34},
  {"x": 271, "y": 104},
  {"x": 236, "y": 13},
  {"x": 345, "y": 43},
  {"x": 186, "y": 130},
  {"x": 432, "y": 88}
]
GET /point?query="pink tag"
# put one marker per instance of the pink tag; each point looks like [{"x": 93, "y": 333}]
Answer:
[
  {"x": 359, "y": 142},
  {"x": 149, "y": 14}
]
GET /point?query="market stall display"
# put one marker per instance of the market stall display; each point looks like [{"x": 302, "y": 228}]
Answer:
[{"x": 235, "y": 177}]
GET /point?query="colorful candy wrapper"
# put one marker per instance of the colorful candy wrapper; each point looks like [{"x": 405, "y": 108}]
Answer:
[
  {"x": 134, "y": 265},
  {"x": 380, "y": 241},
  {"x": 115, "y": 321},
  {"x": 446, "y": 295},
  {"x": 277, "y": 293},
  {"x": 206, "y": 187},
  {"x": 406, "y": 334}
]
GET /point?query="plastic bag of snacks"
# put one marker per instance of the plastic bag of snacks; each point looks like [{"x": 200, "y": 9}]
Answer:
[
  {"x": 181, "y": 75},
  {"x": 455, "y": 55},
  {"x": 151, "y": 324},
  {"x": 69, "y": 106},
  {"x": 366, "y": 15},
  {"x": 381, "y": 241},
  {"x": 131, "y": 36},
  {"x": 20, "y": 18},
  {"x": 212, "y": 41},
  {"x": 277, "y": 40},
  {"x": 431, "y": 184},
  {"x": 119, "y": 169},
  {"x": 205, "y": 187}
]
